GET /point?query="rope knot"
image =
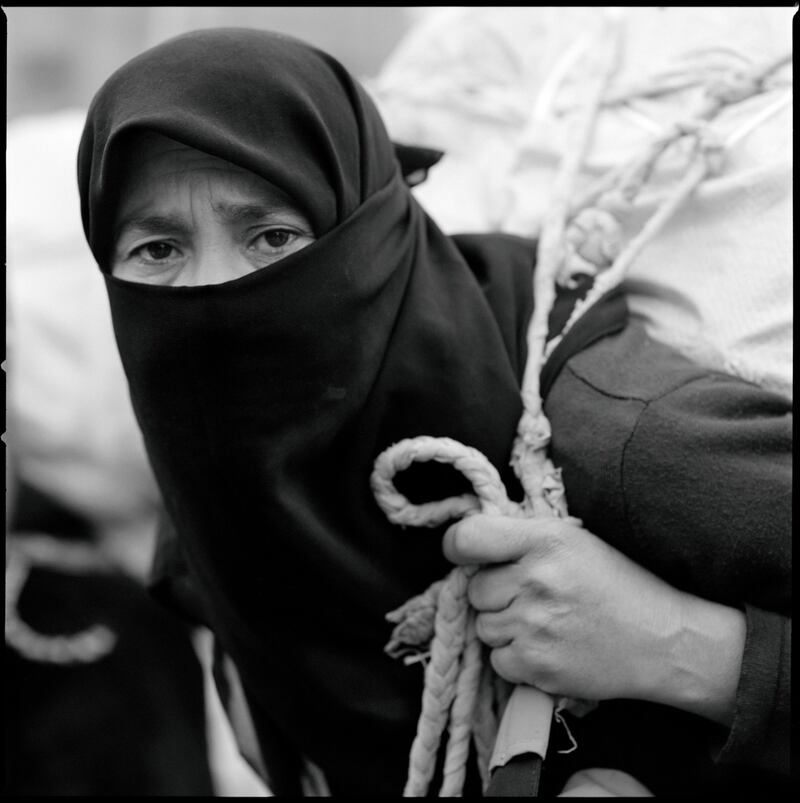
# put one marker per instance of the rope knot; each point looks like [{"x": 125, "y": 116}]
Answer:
[
  {"x": 733, "y": 87},
  {"x": 533, "y": 431},
  {"x": 687, "y": 128},
  {"x": 617, "y": 201},
  {"x": 553, "y": 490},
  {"x": 713, "y": 149},
  {"x": 414, "y": 622},
  {"x": 592, "y": 241}
]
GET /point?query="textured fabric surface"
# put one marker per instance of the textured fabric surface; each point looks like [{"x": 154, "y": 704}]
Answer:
[
  {"x": 761, "y": 732},
  {"x": 677, "y": 439}
]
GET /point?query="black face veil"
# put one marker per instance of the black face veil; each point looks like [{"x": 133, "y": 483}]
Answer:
[{"x": 264, "y": 400}]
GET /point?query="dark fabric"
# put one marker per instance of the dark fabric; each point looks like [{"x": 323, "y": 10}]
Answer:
[
  {"x": 762, "y": 729},
  {"x": 264, "y": 462},
  {"x": 415, "y": 162},
  {"x": 130, "y": 723},
  {"x": 520, "y": 777},
  {"x": 36, "y": 511},
  {"x": 607, "y": 317},
  {"x": 169, "y": 579},
  {"x": 691, "y": 473},
  {"x": 690, "y": 476}
]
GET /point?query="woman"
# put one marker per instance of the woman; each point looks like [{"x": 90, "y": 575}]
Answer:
[{"x": 285, "y": 311}]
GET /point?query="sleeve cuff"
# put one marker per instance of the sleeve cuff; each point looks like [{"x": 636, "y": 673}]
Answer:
[{"x": 760, "y": 733}]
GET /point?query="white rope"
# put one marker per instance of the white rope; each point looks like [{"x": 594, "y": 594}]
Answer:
[
  {"x": 758, "y": 119},
  {"x": 441, "y": 615}
]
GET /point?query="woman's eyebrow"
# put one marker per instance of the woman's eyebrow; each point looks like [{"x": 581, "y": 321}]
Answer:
[
  {"x": 152, "y": 224},
  {"x": 246, "y": 212}
]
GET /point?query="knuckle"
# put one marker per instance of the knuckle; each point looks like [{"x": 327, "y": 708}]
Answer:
[
  {"x": 503, "y": 663},
  {"x": 531, "y": 617},
  {"x": 546, "y": 674},
  {"x": 515, "y": 665},
  {"x": 488, "y": 631},
  {"x": 481, "y": 628},
  {"x": 545, "y": 579},
  {"x": 534, "y": 667}
]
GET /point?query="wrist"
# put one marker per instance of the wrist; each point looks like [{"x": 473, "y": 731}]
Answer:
[{"x": 702, "y": 672}]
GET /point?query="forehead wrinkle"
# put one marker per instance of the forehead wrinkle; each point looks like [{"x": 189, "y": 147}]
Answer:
[
  {"x": 141, "y": 221},
  {"x": 167, "y": 172}
]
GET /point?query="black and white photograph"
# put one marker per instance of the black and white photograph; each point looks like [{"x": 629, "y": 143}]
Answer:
[{"x": 473, "y": 477}]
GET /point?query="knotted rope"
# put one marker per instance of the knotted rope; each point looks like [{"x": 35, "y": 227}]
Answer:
[
  {"x": 453, "y": 672},
  {"x": 593, "y": 241},
  {"x": 578, "y": 236}
]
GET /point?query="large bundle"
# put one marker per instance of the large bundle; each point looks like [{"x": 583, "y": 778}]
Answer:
[{"x": 499, "y": 89}]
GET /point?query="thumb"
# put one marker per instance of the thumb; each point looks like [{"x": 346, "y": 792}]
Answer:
[{"x": 488, "y": 539}]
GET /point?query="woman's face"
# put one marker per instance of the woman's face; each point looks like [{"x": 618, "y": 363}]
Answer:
[{"x": 188, "y": 218}]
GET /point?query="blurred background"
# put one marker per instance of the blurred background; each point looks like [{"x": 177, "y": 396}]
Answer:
[{"x": 58, "y": 56}]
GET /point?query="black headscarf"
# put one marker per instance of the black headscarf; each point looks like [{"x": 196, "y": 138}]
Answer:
[{"x": 265, "y": 400}]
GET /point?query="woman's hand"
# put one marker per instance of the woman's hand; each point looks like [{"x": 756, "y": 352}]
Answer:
[{"x": 564, "y": 611}]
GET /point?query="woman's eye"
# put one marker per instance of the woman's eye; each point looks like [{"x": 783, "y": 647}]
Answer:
[
  {"x": 275, "y": 238},
  {"x": 271, "y": 244},
  {"x": 157, "y": 251}
]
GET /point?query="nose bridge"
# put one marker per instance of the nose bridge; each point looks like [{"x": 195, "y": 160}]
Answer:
[
  {"x": 214, "y": 253},
  {"x": 217, "y": 254}
]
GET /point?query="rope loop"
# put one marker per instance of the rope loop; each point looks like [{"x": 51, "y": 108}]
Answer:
[
  {"x": 490, "y": 493},
  {"x": 438, "y": 626}
]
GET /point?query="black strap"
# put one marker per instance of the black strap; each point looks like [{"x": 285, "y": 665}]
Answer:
[
  {"x": 518, "y": 778},
  {"x": 607, "y": 316}
]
